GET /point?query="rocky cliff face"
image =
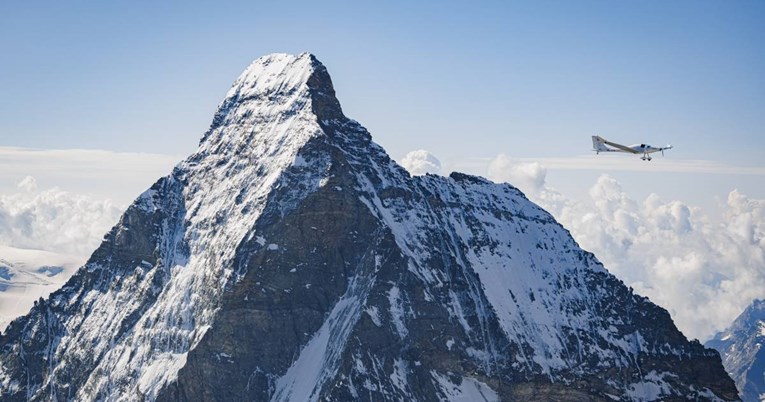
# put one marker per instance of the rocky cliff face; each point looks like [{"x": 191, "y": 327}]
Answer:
[
  {"x": 290, "y": 259},
  {"x": 741, "y": 349}
]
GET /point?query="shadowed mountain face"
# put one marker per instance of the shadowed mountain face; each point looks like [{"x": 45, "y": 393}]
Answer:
[
  {"x": 290, "y": 259},
  {"x": 741, "y": 349}
]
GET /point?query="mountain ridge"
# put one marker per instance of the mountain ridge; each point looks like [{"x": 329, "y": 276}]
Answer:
[
  {"x": 291, "y": 254},
  {"x": 740, "y": 346}
]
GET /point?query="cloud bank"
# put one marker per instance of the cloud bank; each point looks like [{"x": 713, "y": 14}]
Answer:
[
  {"x": 54, "y": 220},
  {"x": 85, "y": 191},
  {"x": 705, "y": 273}
]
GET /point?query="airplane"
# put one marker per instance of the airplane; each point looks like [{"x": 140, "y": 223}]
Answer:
[{"x": 599, "y": 144}]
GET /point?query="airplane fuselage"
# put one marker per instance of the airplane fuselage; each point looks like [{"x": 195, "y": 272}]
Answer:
[
  {"x": 644, "y": 148},
  {"x": 600, "y": 144}
]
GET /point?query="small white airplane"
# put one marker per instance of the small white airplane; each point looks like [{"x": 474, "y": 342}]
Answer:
[{"x": 599, "y": 144}]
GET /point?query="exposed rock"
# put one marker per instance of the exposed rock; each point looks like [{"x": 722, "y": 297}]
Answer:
[{"x": 741, "y": 349}]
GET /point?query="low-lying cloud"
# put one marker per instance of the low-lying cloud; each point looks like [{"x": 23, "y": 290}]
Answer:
[
  {"x": 704, "y": 272},
  {"x": 421, "y": 162},
  {"x": 54, "y": 220}
]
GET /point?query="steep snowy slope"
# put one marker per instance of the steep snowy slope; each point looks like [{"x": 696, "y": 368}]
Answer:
[
  {"x": 290, "y": 259},
  {"x": 741, "y": 349}
]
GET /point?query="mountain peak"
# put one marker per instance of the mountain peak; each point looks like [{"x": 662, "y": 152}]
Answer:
[
  {"x": 274, "y": 73},
  {"x": 758, "y": 305},
  {"x": 290, "y": 259},
  {"x": 741, "y": 351},
  {"x": 276, "y": 87}
]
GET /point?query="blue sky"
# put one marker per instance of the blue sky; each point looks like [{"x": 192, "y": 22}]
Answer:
[
  {"x": 531, "y": 78},
  {"x": 500, "y": 85},
  {"x": 465, "y": 81}
]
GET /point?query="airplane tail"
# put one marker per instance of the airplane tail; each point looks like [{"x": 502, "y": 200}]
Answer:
[{"x": 598, "y": 144}]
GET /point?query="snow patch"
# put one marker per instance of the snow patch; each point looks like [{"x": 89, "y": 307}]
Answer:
[
  {"x": 397, "y": 311},
  {"x": 469, "y": 389},
  {"x": 163, "y": 370},
  {"x": 456, "y": 311},
  {"x": 398, "y": 377},
  {"x": 374, "y": 315},
  {"x": 651, "y": 387}
]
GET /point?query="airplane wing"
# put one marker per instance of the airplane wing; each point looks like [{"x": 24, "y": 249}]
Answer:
[{"x": 621, "y": 147}]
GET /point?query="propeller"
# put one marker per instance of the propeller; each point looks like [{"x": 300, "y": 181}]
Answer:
[{"x": 667, "y": 147}]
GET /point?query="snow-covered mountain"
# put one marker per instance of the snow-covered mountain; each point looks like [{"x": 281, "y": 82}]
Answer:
[
  {"x": 741, "y": 349},
  {"x": 290, "y": 259},
  {"x": 27, "y": 275}
]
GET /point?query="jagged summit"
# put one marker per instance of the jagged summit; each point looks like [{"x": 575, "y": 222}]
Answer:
[
  {"x": 277, "y": 72},
  {"x": 290, "y": 259},
  {"x": 740, "y": 346},
  {"x": 276, "y": 85}
]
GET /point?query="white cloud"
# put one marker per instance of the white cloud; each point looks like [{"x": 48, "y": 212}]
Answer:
[
  {"x": 704, "y": 272},
  {"x": 28, "y": 184},
  {"x": 529, "y": 177},
  {"x": 421, "y": 162},
  {"x": 84, "y": 194},
  {"x": 54, "y": 220}
]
